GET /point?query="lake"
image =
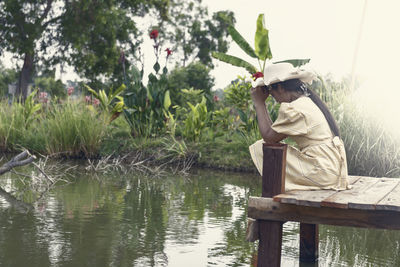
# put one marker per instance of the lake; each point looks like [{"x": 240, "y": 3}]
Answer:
[{"x": 133, "y": 219}]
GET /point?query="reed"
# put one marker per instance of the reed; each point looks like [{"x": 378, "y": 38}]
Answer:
[
  {"x": 371, "y": 149},
  {"x": 73, "y": 129}
]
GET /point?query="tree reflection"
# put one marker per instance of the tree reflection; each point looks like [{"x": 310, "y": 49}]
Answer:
[{"x": 152, "y": 221}]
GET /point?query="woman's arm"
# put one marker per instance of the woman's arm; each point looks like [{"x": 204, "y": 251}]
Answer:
[{"x": 259, "y": 95}]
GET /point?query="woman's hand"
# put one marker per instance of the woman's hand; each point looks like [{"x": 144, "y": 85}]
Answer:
[{"x": 259, "y": 94}]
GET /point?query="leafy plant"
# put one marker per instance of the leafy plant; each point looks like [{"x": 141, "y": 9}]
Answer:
[
  {"x": 29, "y": 109},
  {"x": 196, "y": 121},
  {"x": 262, "y": 51},
  {"x": 112, "y": 104},
  {"x": 146, "y": 106},
  {"x": 73, "y": 130}
]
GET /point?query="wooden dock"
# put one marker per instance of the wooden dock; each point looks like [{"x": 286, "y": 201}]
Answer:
[{"x": 371, "y": 203}]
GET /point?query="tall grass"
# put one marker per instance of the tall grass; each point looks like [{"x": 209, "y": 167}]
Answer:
[
  {"x": 12, "y": 126},
  {"x": 72, "y": 129},
  {"x": 371, "y": 149}
]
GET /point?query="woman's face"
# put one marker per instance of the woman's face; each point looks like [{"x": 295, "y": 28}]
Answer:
[{"x": 279, "y": 94}]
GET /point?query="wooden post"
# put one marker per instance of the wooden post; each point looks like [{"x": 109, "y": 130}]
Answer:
[
  {"x": 308, "y": 242},
  {"x": 273, "y": 183}
]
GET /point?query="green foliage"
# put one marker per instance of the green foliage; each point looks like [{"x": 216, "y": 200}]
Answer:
[
  {"x": 196, "y": 120},
  {"x": 222, "y": 122},
  {"x": 7, "y": 76},
  {"x": 112, "y": 103},
  {"x": 235, "y": 61},
  {"x": 195, "y": 35},
  {"x": 243, "y": 44},
  {"x": 12, "y": 127},
  {"x": 29, "y": 109},
  {"x": 72, "y": 129},
  {"x": 238, "y": 95},
  {"x": 262, "y": 49},
  {"x": 88, "y": 35},
  {"x": 295, "y": 62},
  {"x": 197, "y": 76},
  {"x": 146, "y": 106},
  {"x": 54, "y": 87}
]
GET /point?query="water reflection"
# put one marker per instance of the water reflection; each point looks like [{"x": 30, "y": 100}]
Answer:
[{"x": 165, "y": 221}]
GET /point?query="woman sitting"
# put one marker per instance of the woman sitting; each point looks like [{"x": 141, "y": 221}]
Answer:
[{"x": 319, "y": 162}]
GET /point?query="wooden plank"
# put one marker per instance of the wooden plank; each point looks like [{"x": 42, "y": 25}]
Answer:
[
  {"x": 273, "y": 183},
  {"x": 341, "y": 199},
  {"x": 267, "y": 209},
  {"x": 391, "y": 201},
  {"x": 310, "y": 198},
  {"x": 371, "y": 196}
]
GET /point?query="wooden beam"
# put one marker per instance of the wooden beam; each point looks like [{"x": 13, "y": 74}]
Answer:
[
  {"x": 391, "y": 201},
  {"x": 267, "y": 209},
  {"x": 273, "y": 183}
]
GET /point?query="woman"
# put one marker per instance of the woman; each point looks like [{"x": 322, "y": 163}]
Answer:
[{"x": 319, "y": 162}]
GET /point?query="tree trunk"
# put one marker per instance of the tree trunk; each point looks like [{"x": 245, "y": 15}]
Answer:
[{"x": 25, "y": 77}]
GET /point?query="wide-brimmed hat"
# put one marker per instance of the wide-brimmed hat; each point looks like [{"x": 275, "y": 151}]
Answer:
[{"x": 280, "y": 72}]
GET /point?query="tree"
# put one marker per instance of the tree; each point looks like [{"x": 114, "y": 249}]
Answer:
[
  {"x": 195, "y": 35},
  {"x": 7, "y": 76},
  {"x": 86, "y": 34},
  {"x": 196, "y": 75},
  {"x": 51, "y": 85}
]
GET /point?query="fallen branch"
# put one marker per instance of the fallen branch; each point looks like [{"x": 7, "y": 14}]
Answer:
[{"x": 21, "y": 159}]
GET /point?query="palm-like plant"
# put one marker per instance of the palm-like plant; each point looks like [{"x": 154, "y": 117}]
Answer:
[{"x": 262, "y": 51}]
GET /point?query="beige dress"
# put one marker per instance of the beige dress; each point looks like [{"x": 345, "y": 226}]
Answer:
[{"x": 320, "y": 160}]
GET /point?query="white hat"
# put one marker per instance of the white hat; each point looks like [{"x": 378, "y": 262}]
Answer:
[{"x": 280, "y": 72}]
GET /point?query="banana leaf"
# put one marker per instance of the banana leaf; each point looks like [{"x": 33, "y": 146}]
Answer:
[
  {"x": 263, "y": 51},
  {"x": 167, "y": 100},
  {"x": 295, "y": 62},
  {"x": 235, "y": 61},
  {"x": 238, "y": 38}
]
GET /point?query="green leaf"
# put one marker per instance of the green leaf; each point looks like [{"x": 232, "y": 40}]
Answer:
[
  {"x": 295, "y": 62},
  {"x": 263, "y": 51},
  {"x": 118, "y": 91},
  {"x": 149, "y": 95},
  {"x": 167, "y": 100},
  {"x": 92, "y": 91},
  {"x": 238, "y": 38},
  {"x": 242, "y": 116},
  {"x": 238, "y": 62},
  {"x": 165, "y": 70},
  {"x": 156, "y": 67}
]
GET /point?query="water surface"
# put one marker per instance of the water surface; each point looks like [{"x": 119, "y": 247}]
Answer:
[{"x": 132, "y": 220}]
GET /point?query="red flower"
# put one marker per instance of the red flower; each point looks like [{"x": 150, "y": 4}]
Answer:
[
  {"x": 96, "y": 102},
  {"x": 154, "y": 34},
  {"x": 88, "y": 99},
  {"x": 258, "y": 75},
  {"x": 70, "y": 90},
  {"x": 43, "y": 95},
  {"x": 169, "y": 52},
  {"x": 216, "y": 98}
]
